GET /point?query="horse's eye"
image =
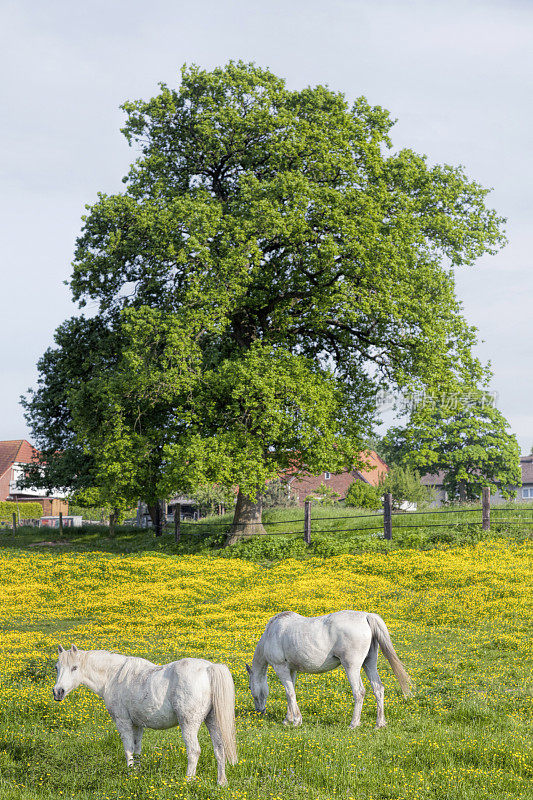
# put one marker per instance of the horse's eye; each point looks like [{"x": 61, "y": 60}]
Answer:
[{"x": 73, "y": 668}]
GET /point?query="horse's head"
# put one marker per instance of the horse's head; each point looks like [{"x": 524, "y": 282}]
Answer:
[
  {"x": 259, "y": 688},
  {"x": 68, "y": 672}
]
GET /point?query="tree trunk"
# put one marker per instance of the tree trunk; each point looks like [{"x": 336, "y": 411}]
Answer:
[
  {"x": 157, "y": 518},
  {"x": 247, "y": 518},
  {"x": 462, "y": 492}
]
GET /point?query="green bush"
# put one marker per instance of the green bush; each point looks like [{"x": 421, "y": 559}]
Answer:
[
  {"x": 405, "y": 486},
  {"x": 363, "y": 495},
  {"x": 22, "y": 510}
]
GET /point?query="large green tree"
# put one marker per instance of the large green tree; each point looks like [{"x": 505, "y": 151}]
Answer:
[
  {"x": 297, "y": 265},
  {"x": 464, "y": 436}
]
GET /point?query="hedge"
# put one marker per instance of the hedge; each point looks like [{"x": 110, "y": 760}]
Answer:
[{"x": 22, "y": 510}]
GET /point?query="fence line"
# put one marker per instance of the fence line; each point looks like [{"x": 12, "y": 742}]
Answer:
[{"x": 393, "y": 519}]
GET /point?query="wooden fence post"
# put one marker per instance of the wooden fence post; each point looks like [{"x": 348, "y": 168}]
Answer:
[
  {"x": 61, "y": 523},
  {"x": 14, "y": 518},
  {"x": 307, "y": 522},
  {"x": 177, "y": 522},
  {"x": 485, "y": 509},
  {"x": 387, "y": 515}
]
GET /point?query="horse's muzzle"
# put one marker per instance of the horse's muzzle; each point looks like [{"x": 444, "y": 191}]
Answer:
[{"x": 59, "y": 694}]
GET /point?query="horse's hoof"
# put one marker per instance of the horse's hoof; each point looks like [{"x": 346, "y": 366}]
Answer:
[
  {"x": 382, "y": 725},
  {"x": 223, "y": 783},
  {"x": 354, "y": 725}
]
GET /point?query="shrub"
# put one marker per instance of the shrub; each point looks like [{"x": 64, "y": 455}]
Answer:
[
  {"x": 362, "y": 495},
  {"x": 404, "y": 485},
  {"x": 22, "y": 510}
]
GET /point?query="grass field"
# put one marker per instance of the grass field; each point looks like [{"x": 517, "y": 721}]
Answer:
[{"x": 460, "y": 619}]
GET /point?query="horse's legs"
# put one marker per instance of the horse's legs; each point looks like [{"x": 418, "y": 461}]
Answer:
[
  {"x": 353, "y": 672},
  {"x": 189, "y": 731},
  {"x": 370, "y": 666},
  {"x": 137, "y": 741},
  {"x": 125, "y": 730},
  {"x": 218, "y": 747},
  {"x": 285, "y": 675}
]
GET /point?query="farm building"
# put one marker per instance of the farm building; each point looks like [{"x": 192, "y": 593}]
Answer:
[
  {"x": 303, "y": 485},
  {"x": 523, "y": 492},
  {"x": 14, "y": 455}
]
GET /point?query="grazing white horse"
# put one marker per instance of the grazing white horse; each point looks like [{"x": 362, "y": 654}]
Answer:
[
  {"x": 139, "y": 694},
  {"x": 292, "y": 644}
]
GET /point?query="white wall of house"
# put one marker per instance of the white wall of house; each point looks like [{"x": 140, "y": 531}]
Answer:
[{"x": 17, "y": 474}]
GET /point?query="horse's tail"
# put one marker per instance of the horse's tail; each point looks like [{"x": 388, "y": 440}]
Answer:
[
  {"x": 381, "y": 634},
  {"x": 223, "y": 700}
]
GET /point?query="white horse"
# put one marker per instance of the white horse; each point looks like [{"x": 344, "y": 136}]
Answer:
[
  {"x": 139, "y": 694},
  {"x": 292, "y": 644}
]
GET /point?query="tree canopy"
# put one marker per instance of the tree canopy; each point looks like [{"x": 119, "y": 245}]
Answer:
[
  {"x": 467, "y": 440},
  {"x": 270, "y": 265}
]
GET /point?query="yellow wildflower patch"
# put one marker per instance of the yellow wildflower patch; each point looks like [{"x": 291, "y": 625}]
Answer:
[{"x": 460, "y": 620}]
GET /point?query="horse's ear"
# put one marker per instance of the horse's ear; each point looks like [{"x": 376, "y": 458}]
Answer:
[
  {"x": 248, "y": 669},
  {"x": 74, "y": 648},
  {"x": 60, "y": 649}
]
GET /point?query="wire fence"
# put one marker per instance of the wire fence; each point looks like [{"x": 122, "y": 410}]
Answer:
[{"x": 390, "y": 520}]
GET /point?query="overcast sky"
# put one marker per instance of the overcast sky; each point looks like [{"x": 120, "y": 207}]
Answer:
[{"x": 456, "y": 75}]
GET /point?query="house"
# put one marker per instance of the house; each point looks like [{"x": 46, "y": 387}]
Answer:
[
  {"x": 302, "y": 485},
  {"x": 523, "y": 492},
  {"x": 14, "y": 455}
]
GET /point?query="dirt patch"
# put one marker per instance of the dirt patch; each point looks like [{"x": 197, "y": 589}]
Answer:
[{"x": 58, "y": 543}]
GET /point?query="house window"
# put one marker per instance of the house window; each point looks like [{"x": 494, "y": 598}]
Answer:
[
  {"x": 527, "y": 492},
  {"x": 327, "y": 475}
]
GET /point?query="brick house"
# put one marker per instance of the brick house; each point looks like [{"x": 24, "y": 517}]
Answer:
[
  {"x": 303, "y": 485},
  {"x": 14, "y": 454}
]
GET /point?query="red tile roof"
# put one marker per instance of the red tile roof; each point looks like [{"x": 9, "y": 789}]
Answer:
[
  {"x": 376, "y": 468},
  {"x": 15, "y": 450}
]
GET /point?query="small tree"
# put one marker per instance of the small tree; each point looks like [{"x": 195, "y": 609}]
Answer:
[
  {"x": 278, "y": 495},
  {"x": 405, "y": 486},
  {"x": 465, "y": 437},
  {"x": 324, "y": 496},
  {"x": 363, "y": 495}
]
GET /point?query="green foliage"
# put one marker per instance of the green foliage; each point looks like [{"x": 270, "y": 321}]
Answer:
[
  {"x": 269, "y": 267},
  {"x": 363, "y": 495},
  {"x": 468, "y": 440},
  {"x": 211, "y": 496},
  {"x": 95, "y": 513},
  {"x": 404, "y": 486},
  {"x": 277, "y": 495},
  {"x": 22, "y": 510},
  {"x": 324, "y": 496}
]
